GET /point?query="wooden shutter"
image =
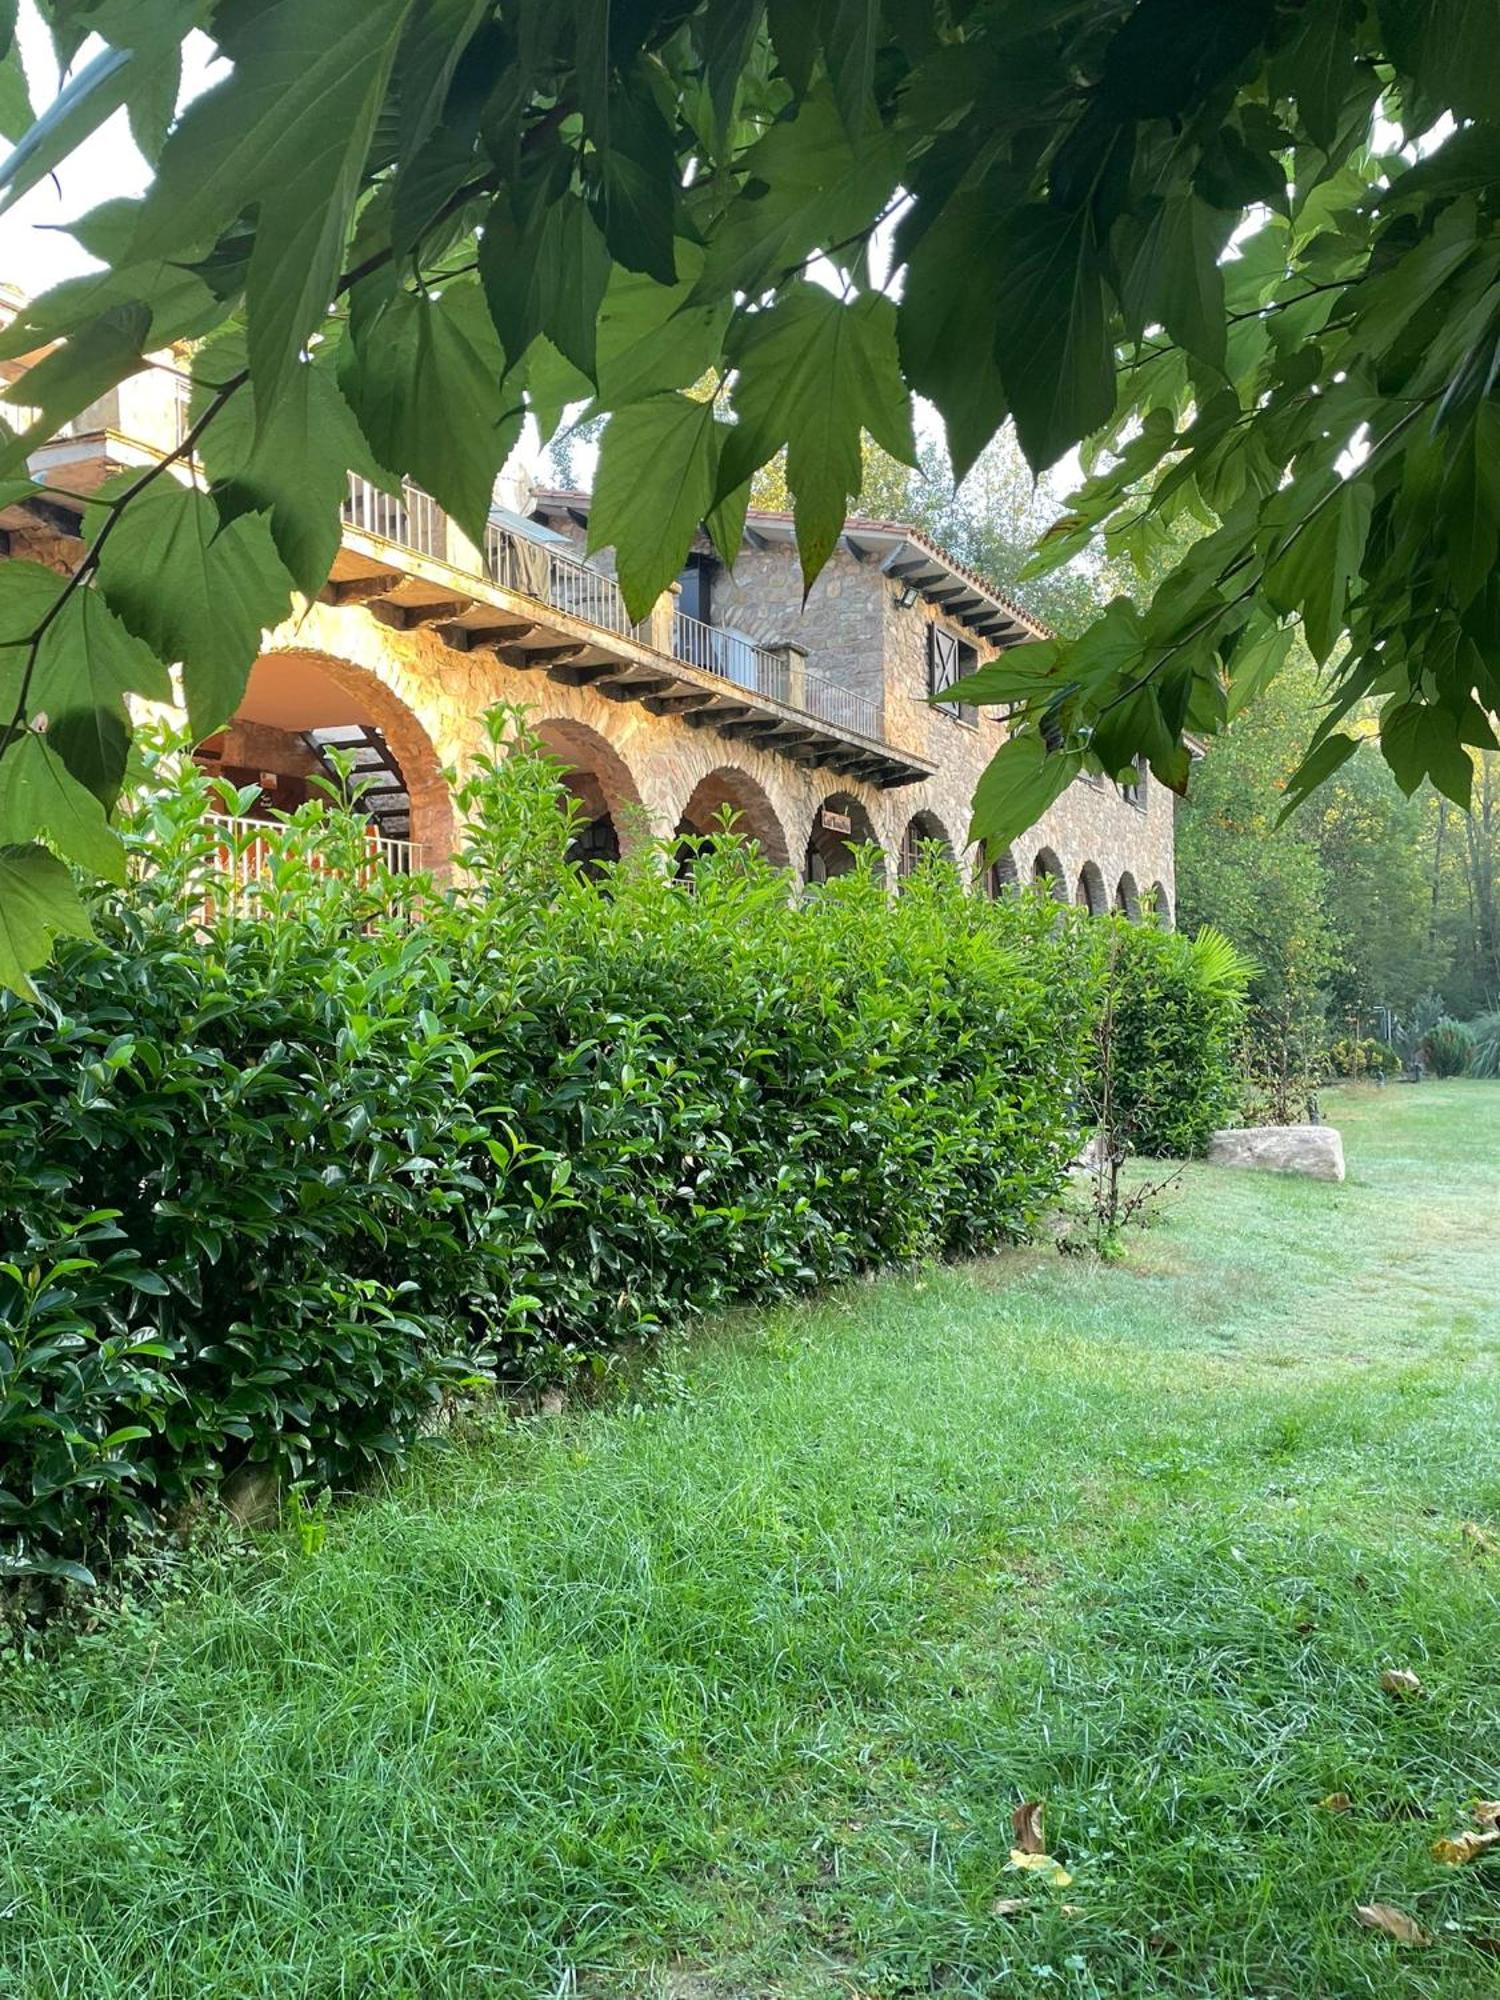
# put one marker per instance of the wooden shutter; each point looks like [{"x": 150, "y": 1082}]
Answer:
[{"x": 942, "y": 664}]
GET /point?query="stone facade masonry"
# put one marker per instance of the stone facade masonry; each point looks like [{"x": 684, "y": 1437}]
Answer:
[{"x": 658, "y": 771}]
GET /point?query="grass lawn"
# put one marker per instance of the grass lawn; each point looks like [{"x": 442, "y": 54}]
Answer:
[{"x": 732, "y": 1694}]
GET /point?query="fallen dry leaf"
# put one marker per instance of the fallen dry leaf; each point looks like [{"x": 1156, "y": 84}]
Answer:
[
  {"x": 1396, "y": 1680},
  {"x": 1337, "y": 1802},
  {"x": 1464, "y": 1847},
  {"x": 1027, "y": 1822},
  {"x": 1480, "y": 1540},
  {"x": 1071, "y": 1909},
  {"x": 1395, "y": 1923},
  {"x": 1008, "y": 1906},
  {"x": 1054, "y": 1871},
  {"x": 1486, "y": 1812}
]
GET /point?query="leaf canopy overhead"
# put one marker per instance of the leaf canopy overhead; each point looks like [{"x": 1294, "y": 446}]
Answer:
[{"x": 1245, "y": 260}]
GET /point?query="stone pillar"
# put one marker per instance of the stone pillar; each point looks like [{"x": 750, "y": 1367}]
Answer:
[
  {"x": 460, "y": 551},
  {"x": 794, "y": 663}
]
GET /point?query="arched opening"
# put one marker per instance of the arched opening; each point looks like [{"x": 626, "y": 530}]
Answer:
[
  {"x": 1091, "y": 895},
  {"x": 925, "y": 834},
  {"x": 1047, "y": 873},
  {"x": 732, "y": 795},
  {"x": 308, "y": 721},
  {"x": 1128, "y": 898},
  {"x": 1161, "y": 907},
  {"x": 839, "y": 826},
  {"x": 602, "y": 793},
  {"x": 1000, "y": 878}
]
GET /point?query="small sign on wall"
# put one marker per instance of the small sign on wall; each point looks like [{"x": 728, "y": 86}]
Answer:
[{"x": 836, "y": 822}]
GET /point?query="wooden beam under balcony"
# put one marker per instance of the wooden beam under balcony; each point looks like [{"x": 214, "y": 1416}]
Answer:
[
  {"x": 677, "y": 704},
  {"x": 481, "y": 638},
  {"x": 406, "y": 617},
  {"x": 528, "y": 657},
  {"x": 361, "y": 589}
]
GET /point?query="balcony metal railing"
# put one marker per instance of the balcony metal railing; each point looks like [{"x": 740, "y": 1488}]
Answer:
[
  {"x": 415, "y": 520},
  {"x": 551, "y": 576},
  {"x": 247, "y": 849}
]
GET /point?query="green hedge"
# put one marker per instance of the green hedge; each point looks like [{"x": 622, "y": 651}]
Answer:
[
  {"x": 1179, "y": 1021},
  {"x": 274, "y": 1184}
]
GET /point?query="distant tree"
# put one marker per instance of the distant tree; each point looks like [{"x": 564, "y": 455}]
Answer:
[{"x": 1264, "y": 885}]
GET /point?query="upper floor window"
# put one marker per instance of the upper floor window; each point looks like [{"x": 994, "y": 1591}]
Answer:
[
  {"x": 1133, "y": 789},
  {"x": 950, "y": 659},
  {"x": 697, "y": 580}
]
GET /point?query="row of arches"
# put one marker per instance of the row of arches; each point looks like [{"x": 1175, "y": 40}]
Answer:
[
  {"x": 296, "y": 697},
  {"x": 1091, "y": 893}
]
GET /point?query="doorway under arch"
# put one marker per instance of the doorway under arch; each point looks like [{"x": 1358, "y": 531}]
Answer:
[
  {"x": 1047, "y": 873},
  {"x": 839, "y": 826},
  {"x": 733, "y": 795},
  {"x": 308, "y": 721},
  {"x": 925, "y": 834},
  {"x": 597, "y": 782},
  {"x": 1001, "y": 878},
  {"x": 1091, "y": 893},
  {"x": 1128, "y": 898}
]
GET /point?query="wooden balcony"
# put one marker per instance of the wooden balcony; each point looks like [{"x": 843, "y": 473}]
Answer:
[{"x": 539, "y": 609}]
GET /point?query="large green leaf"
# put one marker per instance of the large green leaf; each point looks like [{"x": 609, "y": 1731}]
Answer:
[
  {"x": 957, "y": 278},
  {"x": 73, "y": 375},
  {"x": 195, "y": 591},
  {"x": 86, "y": 665},
  {"x": 637, "y": 203},
  {"x": 289, "y": 129},
  {"x": 422, "y": 374},
  {"x": 1019, "y": 783},
  {"x": 1452, "y": 47},
  {"x": 815, "y": 374},
  {"x": 651, "y": 338},
  {"x": 295, "y": 468},
  {"x": 1052, "y": 334},
  {"x": 808, "y": 187},
  {"x": 1173, "y": 277},
  {"x": 1419, "y": 741},
  {"x": 548, "y": 277},
  {"x": 38, "y": 903},
  {"x": 40, "y": 795},
  {"x": 1471, "y": 506},
  {"x": 658, "y": 463},
  {"x": 16, "y": 113},
  {"x": 1316, "y": 768},
  {"x": 1313, "y": 563}
]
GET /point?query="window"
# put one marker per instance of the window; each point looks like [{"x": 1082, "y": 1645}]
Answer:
[
  {"x": 950, "y": 659},
  {"x": 1133, "y": 791},
  {"x": 697, "y": 581}
]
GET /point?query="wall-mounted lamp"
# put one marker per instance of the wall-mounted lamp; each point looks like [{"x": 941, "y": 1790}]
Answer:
[{"x": 907, "y": 596}]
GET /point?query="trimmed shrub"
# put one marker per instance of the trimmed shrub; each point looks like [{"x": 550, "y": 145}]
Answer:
[
  {"x": 1355, "y": 1058},
  {"x": 284, "y": 1168},
  {"x": 1448, "y": 1047},
  {"x": 1485, "y": 1060},
  {"x": 1179, "y": 1012}
]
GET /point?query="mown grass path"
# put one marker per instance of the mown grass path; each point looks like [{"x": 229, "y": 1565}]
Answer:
[{"x": 733, "y": 1695}]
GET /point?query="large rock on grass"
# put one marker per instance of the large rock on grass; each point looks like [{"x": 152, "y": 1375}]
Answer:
[{"x": 1316, "y": 1150}]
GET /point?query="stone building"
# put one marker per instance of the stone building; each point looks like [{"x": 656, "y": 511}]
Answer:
[{"x": 811, "y": 723}]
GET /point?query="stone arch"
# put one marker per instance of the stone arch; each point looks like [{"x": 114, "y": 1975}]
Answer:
[
  {"x": 1161, "y": 907},
  {"x": 830, "y": 846},
  {"x": 1091, "y": 894},
  {"x": 754, "y": 817},
  {"x": 1128, "y": 898},
  {"x": 923, "y": 830},
  {"x": 300, "y": 705},
  {"x": 610, "y": 811},
  {"x": 1000, "y": 878},
  {"x": 1047, "y": 873}
]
